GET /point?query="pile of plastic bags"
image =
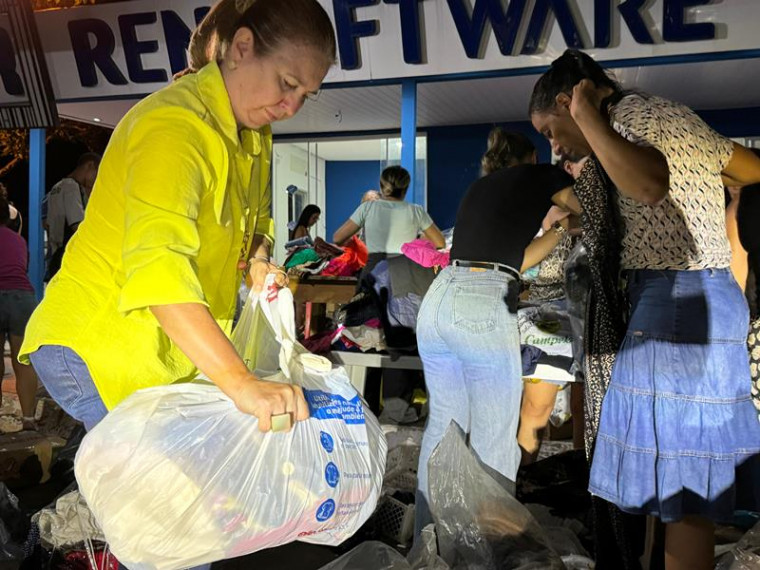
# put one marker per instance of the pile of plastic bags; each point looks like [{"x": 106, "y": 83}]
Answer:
[
  {"x": 178, "y": 477},
  {"x": 746, "y": 553}
]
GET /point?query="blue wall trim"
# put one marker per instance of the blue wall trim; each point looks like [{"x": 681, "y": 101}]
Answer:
[
  {"x": 345, "y": 183},
  {"x": 454, "y": 154},
  {"x": 36, "y": 194},
  {"x": 536, "y": 70},
  {"x": 337, "y": 135},
  {"x": 409, "y": 139},
  {"x": 743, "y": 122}
]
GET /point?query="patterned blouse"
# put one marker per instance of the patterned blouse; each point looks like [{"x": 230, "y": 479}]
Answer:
[
  {"x": 687, "y": 231},
  {"x": 550, "y": 283}
]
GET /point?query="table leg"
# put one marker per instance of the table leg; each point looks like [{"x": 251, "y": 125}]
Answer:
[
  {"x": 358, "y": 377},
  {"x": 307, "y": 321}
]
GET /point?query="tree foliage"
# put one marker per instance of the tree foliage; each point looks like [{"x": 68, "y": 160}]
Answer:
[
  {"x": 47, "y": 4},
  {"x": 14, "y": 143}
]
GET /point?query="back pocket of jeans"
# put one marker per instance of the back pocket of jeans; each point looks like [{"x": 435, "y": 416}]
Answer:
[{"x": 476, "y": 306}]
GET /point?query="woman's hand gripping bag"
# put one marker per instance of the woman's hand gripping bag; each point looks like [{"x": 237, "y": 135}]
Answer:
[{"x": 177, "y": 477}]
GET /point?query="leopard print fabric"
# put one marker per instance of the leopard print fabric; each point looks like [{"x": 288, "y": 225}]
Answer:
[
  {"x": 618, "y": 536},
  {"x": 605, "y": 322},
  {"x": 754, "y": 362},
  {"x": 550, "y": 283}
]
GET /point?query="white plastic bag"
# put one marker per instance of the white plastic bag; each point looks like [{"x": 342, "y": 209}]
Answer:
[{"x": 178, "y": 477}]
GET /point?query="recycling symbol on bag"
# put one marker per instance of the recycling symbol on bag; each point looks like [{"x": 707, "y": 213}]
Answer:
[
  {"x": 327, "y": 441},
  {"x": 326, "y": 510},
  {"x": 332, "y": 475}
]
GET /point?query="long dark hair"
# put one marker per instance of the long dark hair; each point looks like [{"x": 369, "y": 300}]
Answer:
[
  {"x": 303, "y": 219},
  {"x": 273, "y": 22},
  {"x": 505, "y": 148},
  {"x": 566, "y": 72}
]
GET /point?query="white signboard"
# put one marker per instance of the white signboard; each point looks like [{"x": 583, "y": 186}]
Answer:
[{"x": 129, "y": 49}]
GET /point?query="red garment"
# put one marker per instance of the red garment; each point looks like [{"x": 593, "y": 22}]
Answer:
[
  {"x": 321, "y": 343},
  {"x": 355, "y": 256},
  {"x": 13, "y": 262},
  {"x": 79, "y": 560},
  {"x": 327, "y": 250}
]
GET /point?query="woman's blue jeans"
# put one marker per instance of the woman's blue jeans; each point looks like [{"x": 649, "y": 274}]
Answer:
[{"x": 470, "y": 349}]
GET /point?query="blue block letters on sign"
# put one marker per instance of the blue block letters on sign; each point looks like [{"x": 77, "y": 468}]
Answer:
[
  {"x": 88, "y": 57},
  {"x": 471, "y": 29},
  {"x": 565, "y": 19},
  {"x": 349, "y": 30},
  {"x": 134, "y": 48},
  {"x": 675, "y": 28},
  {"x": 95, "y": 44},
  {"x": 177, "y": 35},
  {"x": 409, "y": 11},
  {"x": 631, "y": 12}
]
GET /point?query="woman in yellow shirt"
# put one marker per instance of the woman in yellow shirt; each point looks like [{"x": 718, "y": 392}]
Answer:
[{"x": 146, "y": 294}]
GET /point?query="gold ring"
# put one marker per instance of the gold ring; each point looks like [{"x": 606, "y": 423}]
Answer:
[{"x": 282, "y": 422}]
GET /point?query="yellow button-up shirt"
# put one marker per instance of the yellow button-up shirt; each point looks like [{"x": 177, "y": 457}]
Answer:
[{"x": 179, "y": 194}]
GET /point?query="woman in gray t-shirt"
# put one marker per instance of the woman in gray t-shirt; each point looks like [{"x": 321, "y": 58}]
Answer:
[{"x": 390, "y": 222}]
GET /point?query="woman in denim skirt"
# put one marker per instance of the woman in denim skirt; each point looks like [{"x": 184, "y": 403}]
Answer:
[
  {"x": 467, "y": 327},
  {"x": 678, "y": 438}
]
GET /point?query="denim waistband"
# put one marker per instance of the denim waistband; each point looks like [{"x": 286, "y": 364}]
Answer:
[
  {"x": 470, "y": 274},
  {"x": 638, "y": 275}
]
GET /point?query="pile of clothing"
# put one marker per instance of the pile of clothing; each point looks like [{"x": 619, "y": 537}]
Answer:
[
  {"x": 382, "y": 317},
  {"x": 358, "y": 329},
  {"x": 322, "y": 258}
]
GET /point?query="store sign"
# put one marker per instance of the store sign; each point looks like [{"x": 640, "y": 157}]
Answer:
[
  {"x": 470, "y": 21},
  {"x": 26, "y": 96},
  {"x": 131, "y": 48}
]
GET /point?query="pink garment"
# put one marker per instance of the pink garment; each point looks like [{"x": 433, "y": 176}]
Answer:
[{"x": 423, "y": 252}]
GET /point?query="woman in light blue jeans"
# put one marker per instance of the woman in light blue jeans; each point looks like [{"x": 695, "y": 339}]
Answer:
[
  {"x": 468, "y": 340},
  {"x": 467, "y": 327}
]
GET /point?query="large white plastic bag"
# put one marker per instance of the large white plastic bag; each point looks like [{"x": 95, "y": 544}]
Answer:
[{"x": 178, "y": 477}]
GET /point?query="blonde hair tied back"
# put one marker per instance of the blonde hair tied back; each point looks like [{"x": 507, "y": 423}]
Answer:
[
  {"x": 206, "y": 43},
  {"x": 273, "y": 22},
  {"x": 504, "y": 149}
]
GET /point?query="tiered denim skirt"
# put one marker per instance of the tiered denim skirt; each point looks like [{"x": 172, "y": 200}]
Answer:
[{"x": 679, "y": 434}]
